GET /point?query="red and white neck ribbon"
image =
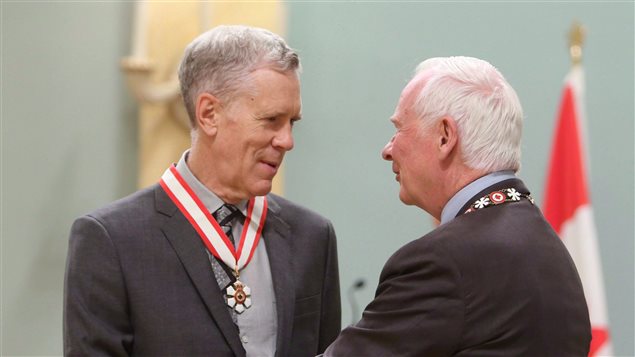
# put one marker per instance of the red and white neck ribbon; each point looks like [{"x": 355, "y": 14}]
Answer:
[{"x": 208, "y": 229}]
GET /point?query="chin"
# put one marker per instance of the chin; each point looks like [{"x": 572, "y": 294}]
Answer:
[
  {"x": 405, "y": 199},
  {"x": 261, "y": 189}
]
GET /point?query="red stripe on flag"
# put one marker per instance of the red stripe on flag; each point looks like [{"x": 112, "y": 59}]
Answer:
[
  {"x": 566, "y": 192},
  {"x": 599, "y": 337},
  {"x": 566, "y": 181}
]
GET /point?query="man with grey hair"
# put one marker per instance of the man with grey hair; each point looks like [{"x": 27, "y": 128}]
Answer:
[
  {"x": 207, "y": 262},
  {"x": 493, "y": 279}
]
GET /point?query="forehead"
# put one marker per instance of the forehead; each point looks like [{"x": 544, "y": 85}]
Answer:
[
  {"x": 414, "y": 87},
  {"x": 260, "y": 80},
  {"x": 409, "y": 94},
  {"x": 272, "y": 92}
]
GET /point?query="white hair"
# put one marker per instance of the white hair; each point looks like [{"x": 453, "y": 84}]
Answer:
[
  {"x": 219, "y": 61},
  {"x": 484, "y": 106}
]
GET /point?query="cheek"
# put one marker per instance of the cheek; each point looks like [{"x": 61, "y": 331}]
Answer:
[{"x": 401, "y": 153}]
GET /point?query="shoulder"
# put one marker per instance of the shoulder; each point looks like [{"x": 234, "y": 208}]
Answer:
[
  {"x": 510, "y": 234},
  {"x": 134, "y": 207},
  {"x": 436, "y": 249},
  {"x": 436, "y": 239}
]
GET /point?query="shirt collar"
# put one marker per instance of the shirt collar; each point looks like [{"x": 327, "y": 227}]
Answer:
[
  {"x": 459, "y": 199},
  {"x": 209, "y": 199}
]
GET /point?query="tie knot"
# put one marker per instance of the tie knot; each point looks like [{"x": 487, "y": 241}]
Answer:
[{"x": 226, "y": 214}]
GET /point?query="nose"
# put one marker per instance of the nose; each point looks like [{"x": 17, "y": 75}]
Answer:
[
  {"x": 386, "y": 153},
  {"x": 283, "y": 139}
]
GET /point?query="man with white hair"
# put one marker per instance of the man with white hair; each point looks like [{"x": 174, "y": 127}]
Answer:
[
  {"x": 206, "y": 262},
  {"x": 493, "y": 279}
]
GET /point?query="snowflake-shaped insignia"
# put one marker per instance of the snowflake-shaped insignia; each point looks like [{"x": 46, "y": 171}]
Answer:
[
  {"x": 482, "y": 202},
  {"x": 513, "y": 194}
]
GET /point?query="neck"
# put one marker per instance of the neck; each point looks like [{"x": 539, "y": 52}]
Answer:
[
  {"x": 201, "y": 165},
  {"x": 455, "y": 180}
]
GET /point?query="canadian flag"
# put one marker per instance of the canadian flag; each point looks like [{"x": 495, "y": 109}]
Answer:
[{"x": 568, "y": 208}]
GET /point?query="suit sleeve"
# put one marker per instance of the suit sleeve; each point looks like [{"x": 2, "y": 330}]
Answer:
[
  {"x": 96, "y": 320},
  {"x": 417, "y": 310},
  {"x": 330, "y": 321}
]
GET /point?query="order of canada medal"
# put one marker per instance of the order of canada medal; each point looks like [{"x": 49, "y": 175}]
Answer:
[{"x": 238, "y": 296}]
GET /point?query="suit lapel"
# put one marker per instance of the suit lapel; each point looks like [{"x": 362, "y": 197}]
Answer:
[
  {"x": 191, "y": 252},
  {"x": 276, "y": 235}
]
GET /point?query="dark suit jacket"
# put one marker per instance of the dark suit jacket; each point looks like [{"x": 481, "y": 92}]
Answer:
[
  {"x": 139, "y": 281},
  {"x": 494, "y": 282}
]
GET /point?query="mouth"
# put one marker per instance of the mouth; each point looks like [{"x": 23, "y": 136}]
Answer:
[
  {"x": 396, "y": 172},
  {"x": 271, "y": 166}
]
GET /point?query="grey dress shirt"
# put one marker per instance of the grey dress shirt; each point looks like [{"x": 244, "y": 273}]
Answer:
[{"x": 257, "y": 324}]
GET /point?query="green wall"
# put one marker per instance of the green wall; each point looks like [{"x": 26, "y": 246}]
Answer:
[
  {"x": 68, "y": 146},
  {"x": 357, "y": 57},
  {"x": 68, "y": 130}
]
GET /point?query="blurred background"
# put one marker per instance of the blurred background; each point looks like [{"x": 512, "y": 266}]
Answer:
[{"x": 78, "y": 130}]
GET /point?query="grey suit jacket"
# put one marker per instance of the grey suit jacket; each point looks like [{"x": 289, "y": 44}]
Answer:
[
  {"x": 494, "y": 282},
  {"x": 139, "y": 282}
]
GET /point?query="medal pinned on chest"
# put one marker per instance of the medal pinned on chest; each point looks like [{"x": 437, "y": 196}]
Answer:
[{"x": 237, "y": 295}]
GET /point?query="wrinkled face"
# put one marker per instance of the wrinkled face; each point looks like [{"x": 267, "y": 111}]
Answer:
[
  {"x": 255, "y": 132},
  {"x": 411, "y": 151}
]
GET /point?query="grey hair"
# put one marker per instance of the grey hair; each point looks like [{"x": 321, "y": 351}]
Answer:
[
  {"x": 483, "y": 104},
  {"x": 220, "y": 60}
]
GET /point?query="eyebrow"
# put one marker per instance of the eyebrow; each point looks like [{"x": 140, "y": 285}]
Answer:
[{"x": 268, "y": 114}]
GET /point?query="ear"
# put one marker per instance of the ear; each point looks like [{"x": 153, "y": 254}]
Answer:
[
  {"x": 447, "y": 136},
  {"x": 208, "y": 111}
]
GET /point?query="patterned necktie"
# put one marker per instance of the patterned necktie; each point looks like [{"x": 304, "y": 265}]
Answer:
[{"x": 224, "y": 216}]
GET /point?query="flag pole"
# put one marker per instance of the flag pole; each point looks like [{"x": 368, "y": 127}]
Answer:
[
  {"x": 576, "y": 40},
  {"x": 577, "y": 35}
]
